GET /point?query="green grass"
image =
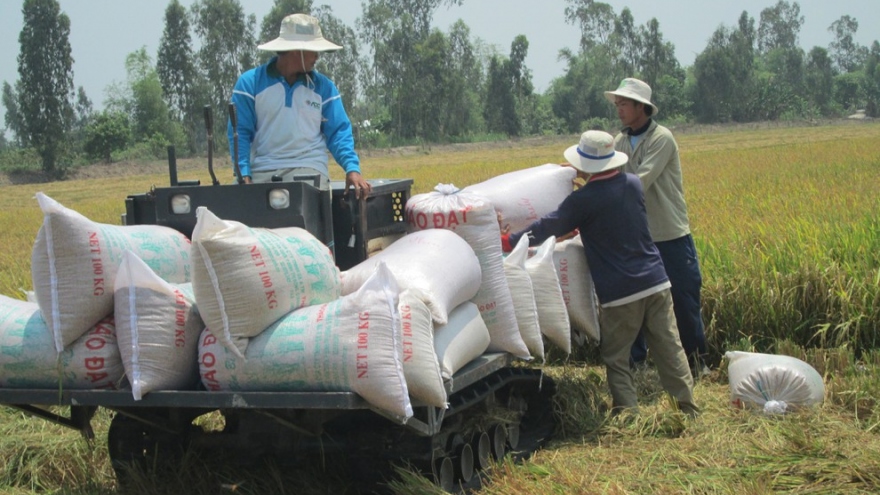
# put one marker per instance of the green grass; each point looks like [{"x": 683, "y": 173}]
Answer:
[{"x": 786, "y": 226}]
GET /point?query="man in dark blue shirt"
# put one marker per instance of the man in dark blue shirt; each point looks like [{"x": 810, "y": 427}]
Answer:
[{"x": 627, "y": 271}]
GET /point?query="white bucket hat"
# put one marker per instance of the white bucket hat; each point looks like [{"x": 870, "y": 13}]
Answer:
[
  {"x": 595, "y": 153},
  {"x": 300, "y": 32},
  {"x": 633, "y": 89}
]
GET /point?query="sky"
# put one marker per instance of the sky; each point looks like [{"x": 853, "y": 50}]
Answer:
[{"x": 104, "y": 32}]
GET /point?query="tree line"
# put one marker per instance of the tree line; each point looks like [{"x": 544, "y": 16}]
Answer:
[{"x": 405, "y": 81}]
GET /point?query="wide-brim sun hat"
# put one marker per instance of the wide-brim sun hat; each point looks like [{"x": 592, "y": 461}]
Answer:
[
  {"x": 595, "y": 153},
  {"x": 633, "y": 89},
  {"x": 300, "y": 32}
]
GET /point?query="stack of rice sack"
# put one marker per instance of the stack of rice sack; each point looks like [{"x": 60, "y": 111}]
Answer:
[
  {"x": 552, "y": 313},
  {"x": 523, "y": 294},
  {"x": 438, "y": 274},
  {"x": 68, "y": 338},
  {"x": 277, "y": 319},
  {"x": 473, "y": 218},
  {"x": 520, "y": 198},
  {"x": 578, "y": 291}
]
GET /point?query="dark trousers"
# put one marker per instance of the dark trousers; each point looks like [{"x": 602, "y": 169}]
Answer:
[{"x": 683, "y": 269}]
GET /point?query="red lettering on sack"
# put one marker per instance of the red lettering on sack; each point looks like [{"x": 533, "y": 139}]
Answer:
[
  {"x": 266, "y": 279},
  {"x": 407, "y": 351},
  {"x": 363, "y": 366},
  {"x": 94, "y": 363},
  {"x": 97, "y": 266},
  {"x": 104, "y": 327},
  {"x": 209, "y": 339},
  {"x": 487, "y": 307},
  {"x": 94, "y": 243},
  {"x": 363, "y": 326},
  {"x": 257, "y": 257},
  {"x": 209, "y": 380},
  {"x": 95, "y": 343},
  {"x": 96, "y": 377},
  {"x": 453, "y": 221},
  {"x": 527, "y": 203},
  {"x": 180, "y": 319},
  {"x": 406, "y": 326},
  {"x": 95, "y": 367},
  {"x": 445, "y": 220},
  {"x": 421, "y": 220},
  {"x": 271, "y": 299},
  {"x": 208, "y": 360},
  {"x": 563, "y": 281},
  {"x": 321, "y": 313}
]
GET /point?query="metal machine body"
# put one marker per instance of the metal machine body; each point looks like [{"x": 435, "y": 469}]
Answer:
[{"x": 357, "y": 224}]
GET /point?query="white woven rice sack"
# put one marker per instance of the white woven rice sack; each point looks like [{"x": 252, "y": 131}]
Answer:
[
  {"x": 438, "y": 263},
  {"x": 351, "y": 344},
  {"x": 246, "y": 278},
  {"x": 552, "y": 314},
  {"x": 420, "y": 365},
  {"x": 74, "y": 262},
  {"x": 523, "y": 295},
  {"x": 577, "y": 287},
  {"x": 158, "y": 328},
  {"x": 523, "y": 196},
  {"x": 28, "y": 358},
  {"x": 474, "y": 219},
  {"x": 464, "y": 338},
  {"x": 772, "y": 382}
]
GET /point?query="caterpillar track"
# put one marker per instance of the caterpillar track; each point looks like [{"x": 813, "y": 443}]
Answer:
[{"x": 495, "y": 410}]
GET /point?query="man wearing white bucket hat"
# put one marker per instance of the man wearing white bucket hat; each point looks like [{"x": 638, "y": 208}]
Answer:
[
  {"x": 289, "y": 114},
  {"x": 631, "y": 284},
  {"x": 654, "y": 158}
]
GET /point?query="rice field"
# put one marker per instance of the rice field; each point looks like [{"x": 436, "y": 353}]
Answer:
[{"x": 786, "y": 226}]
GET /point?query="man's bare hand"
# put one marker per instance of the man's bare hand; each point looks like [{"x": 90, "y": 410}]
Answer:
[
  {"x": 362, "y": 188},
  {"x": 580, "y": 179},
  {"x": 504, "y": 227},
  {"x": 567, "y": 236}
]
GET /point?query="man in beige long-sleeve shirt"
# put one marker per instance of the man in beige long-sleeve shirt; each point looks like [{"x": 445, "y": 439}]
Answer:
[{"x": 654, "y": 158}]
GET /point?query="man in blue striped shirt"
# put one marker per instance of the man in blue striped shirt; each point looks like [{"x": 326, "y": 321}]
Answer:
[{"x": 289, "y": 114}]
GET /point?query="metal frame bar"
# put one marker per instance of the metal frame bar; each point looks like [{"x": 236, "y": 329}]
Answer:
[{"x": 83, "y": 403}]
